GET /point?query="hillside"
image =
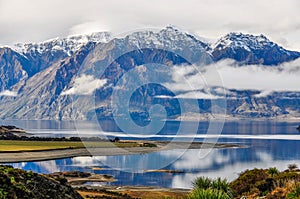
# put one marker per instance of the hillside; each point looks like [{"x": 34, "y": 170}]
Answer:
[{"x": 16, "y": 183}]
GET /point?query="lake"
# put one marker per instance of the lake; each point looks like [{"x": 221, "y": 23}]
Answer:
[{"x": 264, "y": 144}]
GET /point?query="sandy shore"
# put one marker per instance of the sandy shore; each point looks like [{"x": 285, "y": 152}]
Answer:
[{"x": 13, "y": 157}]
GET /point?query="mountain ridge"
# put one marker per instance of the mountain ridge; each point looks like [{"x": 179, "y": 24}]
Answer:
[
  {"x": 44, "y": 75},
  {"x": 73, "y": 43}
]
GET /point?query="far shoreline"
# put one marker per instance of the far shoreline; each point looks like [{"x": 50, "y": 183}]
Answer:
[{"x": 53, "y": 154}]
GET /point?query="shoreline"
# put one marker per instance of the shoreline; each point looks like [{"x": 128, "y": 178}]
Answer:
[{"x": 44, "y": 155}]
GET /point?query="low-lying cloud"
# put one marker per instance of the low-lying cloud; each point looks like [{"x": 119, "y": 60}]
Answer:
[
  {"x": 85, "y": 85},
  {"x": 8, "y": 93},
  {"x": 197, "y": 81},
  {"x": 284, "y": 77}
]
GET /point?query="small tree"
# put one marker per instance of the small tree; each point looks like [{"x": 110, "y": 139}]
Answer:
[{"x": 292, "y": 167}]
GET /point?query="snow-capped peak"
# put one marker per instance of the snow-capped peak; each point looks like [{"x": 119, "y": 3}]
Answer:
[
  {"x": 240, "y": 40},
  {"x": 169, "y": 37},
  {"x": 68, "y": 45}
]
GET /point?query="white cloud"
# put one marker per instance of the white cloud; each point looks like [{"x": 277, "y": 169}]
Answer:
[
  {"x": 39, "y": 20},
  {"x": 88, "y": 27},
  {"x": 85, "y": 85},
  {"x": 256, "y": 77},
  {"x": 8, "y": 93},
  {"x": 197, "y": 95},
  {"x": 263, "y": 94},
  {"x": 200, "y": 81},
  {"x": 186, "y": 78},
  {"x": 163, "y": 96},
  {"x": 89, "y": 161}
]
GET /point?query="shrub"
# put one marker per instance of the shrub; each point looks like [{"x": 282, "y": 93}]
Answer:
[
  {"x": 273, "y": 171},
  {"x": 247, "y": 181},
  {"x": 221, "y": 185},
  {"x": 218, "y": 188},
  {"x": 202, "y": 183}
]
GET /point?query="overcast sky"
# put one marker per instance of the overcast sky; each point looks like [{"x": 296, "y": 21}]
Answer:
[{"x": 37, "y": 20}]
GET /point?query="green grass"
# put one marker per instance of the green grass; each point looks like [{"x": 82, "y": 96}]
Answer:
[
  {"x": 16, "y": 145},
  {"x": 210, "y": 189}
]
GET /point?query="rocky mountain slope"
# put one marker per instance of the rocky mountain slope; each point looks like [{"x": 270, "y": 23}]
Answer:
[{"x": 43, "y": 77}]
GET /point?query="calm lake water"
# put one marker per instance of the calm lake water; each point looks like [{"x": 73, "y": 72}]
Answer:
[{"x": 265, "y": 144}]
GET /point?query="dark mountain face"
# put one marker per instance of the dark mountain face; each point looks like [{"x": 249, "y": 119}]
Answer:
[
  {"x": 43, "y": 73},
  {"x": 13, "y": 68},
  {"x": 41, "y": 61}
]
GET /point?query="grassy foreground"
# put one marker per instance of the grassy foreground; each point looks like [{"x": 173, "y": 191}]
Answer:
[
  {"x": 19, "y": 146},
  {"x": 20, "y": 184},
  {"x": 251, "y": 184}
]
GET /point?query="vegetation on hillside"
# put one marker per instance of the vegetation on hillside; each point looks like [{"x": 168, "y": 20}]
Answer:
[
  {"x": 210, "y": 189},
  {"x": 251, "y": 184},
  {"x": 268, "y": 183},
  {"x": 17, "y": 183}
]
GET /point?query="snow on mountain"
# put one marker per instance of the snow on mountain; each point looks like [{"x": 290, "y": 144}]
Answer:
[
  {"x": 68, "y": 45},
  {"x": 41, "y": 72},
  {"x": 169, "y": 37},
  {"x": 245, "y": 48},
  {"x": 246, "y": 41},
  {"x": 250, "y": 49}
]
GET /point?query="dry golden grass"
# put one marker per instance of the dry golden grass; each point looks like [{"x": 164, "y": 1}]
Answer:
[
  {"x": 16, "y": 145},
  {"x": 155, "y": 194},
  {"x": 144, "y": 194}
]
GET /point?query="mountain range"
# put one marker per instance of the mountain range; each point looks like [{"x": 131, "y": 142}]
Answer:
[{"x": 38, "y": 79}]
